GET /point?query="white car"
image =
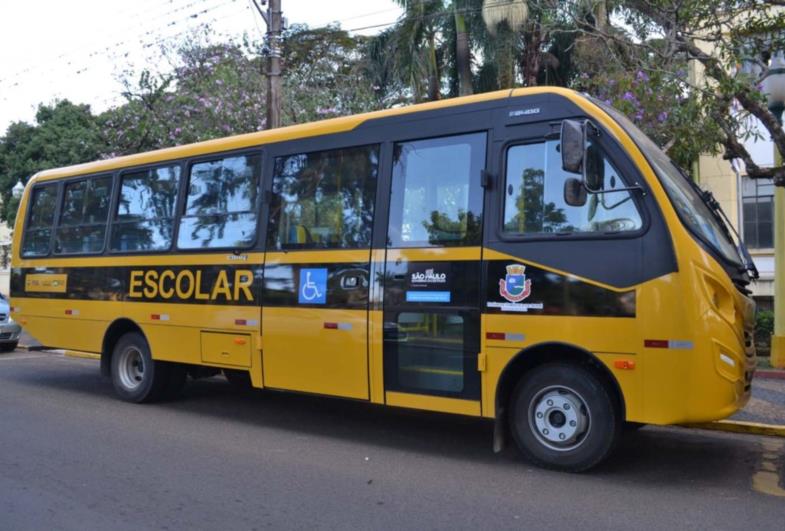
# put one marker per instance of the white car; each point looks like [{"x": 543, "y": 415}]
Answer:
[{"x": 9, "y": 330}]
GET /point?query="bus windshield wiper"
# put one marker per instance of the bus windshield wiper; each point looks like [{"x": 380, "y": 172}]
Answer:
[{"x": 719, "y": 213}]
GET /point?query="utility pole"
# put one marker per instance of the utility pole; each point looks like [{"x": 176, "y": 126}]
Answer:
[
  {"x": 774, "y": 87},
  {"x": 274, "y": 20}
]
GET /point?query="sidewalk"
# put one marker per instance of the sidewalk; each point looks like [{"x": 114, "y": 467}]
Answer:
[{"x": 767, "y": 404}]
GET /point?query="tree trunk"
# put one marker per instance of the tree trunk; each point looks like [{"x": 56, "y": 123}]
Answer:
[
  {"x": 434, "y": 75},
  {"x": 462, "y": 55},
  {"x": 531, "y": 58},
  {"x": 505, "y": 57},
  {"x": 601, "y": 16}
]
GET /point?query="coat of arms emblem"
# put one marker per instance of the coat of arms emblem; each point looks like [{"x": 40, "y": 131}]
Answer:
[{"x": 515, "y": 287}]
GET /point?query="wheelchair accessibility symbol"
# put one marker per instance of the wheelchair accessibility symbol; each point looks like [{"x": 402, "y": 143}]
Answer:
[{"x": 313, "y": 286}]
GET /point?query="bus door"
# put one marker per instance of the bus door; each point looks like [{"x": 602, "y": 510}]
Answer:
[
  {"x": 432, "y": 277},
  {"x": 317, "y": 263}
]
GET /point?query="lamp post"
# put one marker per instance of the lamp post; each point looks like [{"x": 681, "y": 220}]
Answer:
[
  {"x": 18, "y": 190},
  {"x": 774, "y": 87}
]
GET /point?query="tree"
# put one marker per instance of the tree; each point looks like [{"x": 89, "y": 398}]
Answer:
[
  {"x": 504, "y": 19},
  {"x": 208, "y": 90},
  {"x": 63, "y": 134},
  {"x": 462, "y": 18},
  {"x": 325, "y": 74},
  {"x": 413, "y": 52},
  {"x": 663, "y": 38}
]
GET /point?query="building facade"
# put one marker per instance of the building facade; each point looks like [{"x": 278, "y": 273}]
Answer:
[{"x": 749, "y": 203}]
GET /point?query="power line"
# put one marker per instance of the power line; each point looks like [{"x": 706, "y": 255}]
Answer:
[
  {"x": 141, "y": 45},
  {"x": 118, "y": 44}
]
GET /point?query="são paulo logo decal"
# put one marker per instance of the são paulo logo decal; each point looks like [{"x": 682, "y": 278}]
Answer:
[{"x": 515, "y": 287}]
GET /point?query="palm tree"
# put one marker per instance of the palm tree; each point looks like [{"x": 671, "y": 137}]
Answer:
[
  {"x": 504, "y": 19},
  {"x": 414, "y": 53},
  {"x": 463, "y": 57}
]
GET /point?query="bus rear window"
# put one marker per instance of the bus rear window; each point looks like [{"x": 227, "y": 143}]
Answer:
[{"x": 40, "y": 217}]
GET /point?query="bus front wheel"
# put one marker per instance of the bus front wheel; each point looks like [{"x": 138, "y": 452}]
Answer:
[
  {"x": 563, "y": 417},
  {"x": 135, "y": 375}
]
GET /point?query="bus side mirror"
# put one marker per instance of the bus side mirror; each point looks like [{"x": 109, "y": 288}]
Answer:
[
  {"x": 574, "y": 192},
  {"x": 573, "y": 145}
]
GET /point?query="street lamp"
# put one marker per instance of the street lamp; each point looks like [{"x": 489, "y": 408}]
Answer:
[
  {"x": 774, "y": 88},
  {"x": 18, "y": 190}
]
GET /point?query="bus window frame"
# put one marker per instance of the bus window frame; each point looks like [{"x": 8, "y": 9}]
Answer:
[
  {"x": 182, "y": 199},
  {"x": 325, "y": 144},
  {"x": 58, "y": 185},
  {"x": 119, "y": 174},
  {"x": 489, "y": 133},
  {"x": 63, "y": 184},
  {"x": 617, "y": 158}
]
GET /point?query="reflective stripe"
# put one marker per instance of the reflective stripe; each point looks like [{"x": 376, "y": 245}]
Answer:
[{"x": 668, "y": 343}]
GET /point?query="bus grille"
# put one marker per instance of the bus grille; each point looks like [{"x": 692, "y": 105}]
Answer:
[
  {"x": 3, "y": 316},
  {"x": 5, "y": 335}
]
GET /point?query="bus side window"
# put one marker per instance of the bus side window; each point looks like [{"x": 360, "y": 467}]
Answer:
[
  {"x": 534, "y": 196},
  {"x": 222, "y": 204},
  {"x": 436, "y": 196},
  {"x": 144, "y": 217},
  {"x": 82, "y": 224},
  {"x": 40, "y": 218},
  {"x": 324, "y": 200}
]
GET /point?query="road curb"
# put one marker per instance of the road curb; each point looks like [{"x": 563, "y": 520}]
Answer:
[
  {"x": 82, "y": 355},
  {"x": 771, "y": 374},
  {"x": 31, "y": 348},
  {"x": 738, "y": 426}
]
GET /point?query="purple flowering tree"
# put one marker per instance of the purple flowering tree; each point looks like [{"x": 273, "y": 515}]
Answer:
[{"x": 689, "y": 72}]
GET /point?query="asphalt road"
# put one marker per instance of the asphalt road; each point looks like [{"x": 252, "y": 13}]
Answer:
[{"x": 74, "y": 457}]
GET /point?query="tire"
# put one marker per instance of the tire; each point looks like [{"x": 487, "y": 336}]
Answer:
[
  {"x": 633, "y": 426},
  {"x": 240, "y": 380},
  {"x": 9, "y": 347},
  {"x": 563, "y": 417},
  {"x": 135, "y": 375}
]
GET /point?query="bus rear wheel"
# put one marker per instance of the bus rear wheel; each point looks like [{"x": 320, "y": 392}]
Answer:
[
  {"x": 135, "y": 375},
  {"x": 563, "y": 417}
]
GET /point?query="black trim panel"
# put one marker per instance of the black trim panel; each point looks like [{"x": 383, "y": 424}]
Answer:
[
  {"x": 234, "y": 285},
  {"x": 620, "y": 260},
  {"x": 347, "y": 286},
  {"x": 544, "y": 292}
]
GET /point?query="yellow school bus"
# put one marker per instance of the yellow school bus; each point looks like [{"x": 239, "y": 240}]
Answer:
[{"x": 526, "y": 256}]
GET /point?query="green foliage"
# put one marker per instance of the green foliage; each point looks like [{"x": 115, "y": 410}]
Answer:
[
  {"x": 657, "y": 103},
  {"x": 325, "y": 75},
  {"x": 63, "y": 134},
  {"x": 214, "y": 90},
  {"x": 764, "y": 327},
  {"x": 637, "y": 56}
]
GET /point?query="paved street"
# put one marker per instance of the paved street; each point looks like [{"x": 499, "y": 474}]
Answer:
[{"x": 74, "y": 457}]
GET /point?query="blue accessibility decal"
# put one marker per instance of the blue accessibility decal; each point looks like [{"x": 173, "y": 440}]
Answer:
[{"x": 313, "y": 286}]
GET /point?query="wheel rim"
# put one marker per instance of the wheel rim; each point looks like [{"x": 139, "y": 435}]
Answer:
[
  {"x": 560, "y": 418},
  {"x": 131, "y": 368}
]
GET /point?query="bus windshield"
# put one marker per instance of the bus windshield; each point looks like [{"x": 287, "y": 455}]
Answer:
[{"x": 691, "y": 207}]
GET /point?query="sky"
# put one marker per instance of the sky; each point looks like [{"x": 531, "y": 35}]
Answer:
[{"x": 78, "y": 49}]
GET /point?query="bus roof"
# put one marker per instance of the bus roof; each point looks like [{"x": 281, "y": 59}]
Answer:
[{"x": 311, "y": 129}]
